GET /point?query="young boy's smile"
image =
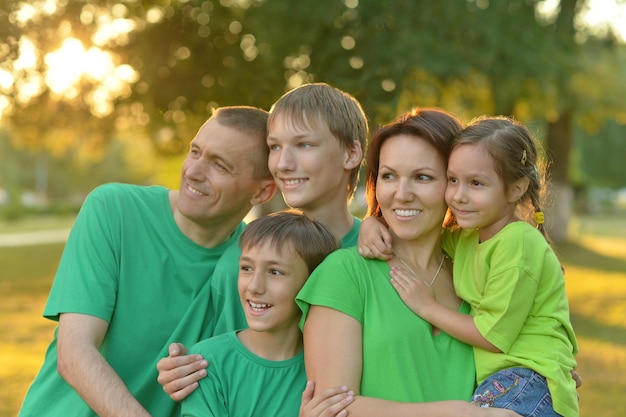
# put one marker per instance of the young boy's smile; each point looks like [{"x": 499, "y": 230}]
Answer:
[{"x": 269, "y": 280}]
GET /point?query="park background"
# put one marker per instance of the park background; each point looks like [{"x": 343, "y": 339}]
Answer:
[{"x": 93, "y": 91}]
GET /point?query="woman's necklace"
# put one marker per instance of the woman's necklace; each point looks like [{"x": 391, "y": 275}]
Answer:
[{"x": 432, "y": 281}]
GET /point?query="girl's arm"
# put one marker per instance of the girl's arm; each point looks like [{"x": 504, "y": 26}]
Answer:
[
  {"x": 375, "y": 239},
  {"x": 420, "y": 298},
  {"x": 333, "y": 356}
]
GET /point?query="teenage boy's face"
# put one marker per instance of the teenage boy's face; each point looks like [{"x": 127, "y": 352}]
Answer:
[
  {"x": 308, "y": 163},
  {"x": 269, "y": 280}
]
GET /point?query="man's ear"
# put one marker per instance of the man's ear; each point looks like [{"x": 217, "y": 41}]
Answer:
[
  {"x": 518, "y": 189},
  {"x": 354, "y": 156},
  {"x": 265, "y": 191}
]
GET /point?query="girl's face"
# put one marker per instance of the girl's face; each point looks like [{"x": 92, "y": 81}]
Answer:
[
  {"x": 410, "y": 187},
  {"x": 475, "y": 192}
]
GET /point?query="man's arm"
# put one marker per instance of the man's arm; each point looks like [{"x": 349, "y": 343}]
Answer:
[{"x": 85, "y": 369}]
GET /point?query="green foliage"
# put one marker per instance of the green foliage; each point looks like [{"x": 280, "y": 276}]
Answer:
[
  {"x": 600, "y": 157},
  {"x": 470, "y": 57}
]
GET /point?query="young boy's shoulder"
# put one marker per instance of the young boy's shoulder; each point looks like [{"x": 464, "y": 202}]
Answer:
[{"x": 215, "y": 346}]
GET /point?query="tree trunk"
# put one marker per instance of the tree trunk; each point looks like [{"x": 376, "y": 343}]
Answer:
[{"x": 560, "y": 191}]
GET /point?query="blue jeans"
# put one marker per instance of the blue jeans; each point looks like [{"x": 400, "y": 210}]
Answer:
[{"x": 519, "y": 389}]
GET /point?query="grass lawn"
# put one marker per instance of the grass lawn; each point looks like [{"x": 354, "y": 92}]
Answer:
[{"x": 595, "y": 263}]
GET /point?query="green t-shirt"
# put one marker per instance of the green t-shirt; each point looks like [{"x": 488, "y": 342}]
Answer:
[
  {"x": 402, "y": 359},
  {"x": 514, "y": 283},
  {"x": 242, "y": 384},
  {"x": 226, "y": 306},
  {"x": 128, "y": 263}
]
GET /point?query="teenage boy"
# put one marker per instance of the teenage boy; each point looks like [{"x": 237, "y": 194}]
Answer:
[
  {"x": 316, "y": 137},
  {"x": 261, "y": 369}
]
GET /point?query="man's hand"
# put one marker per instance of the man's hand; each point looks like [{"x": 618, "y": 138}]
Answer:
[
  {"x": 179, "y": 373},
  {"x": 330, "y": 403}
]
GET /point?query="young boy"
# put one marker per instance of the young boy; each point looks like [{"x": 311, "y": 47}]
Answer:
[
  {"x": 317, "y": 137},
  {"x": 261, "y": 369}
]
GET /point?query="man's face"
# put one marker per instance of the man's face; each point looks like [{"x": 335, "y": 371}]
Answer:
[{"x": 216, "y": 181}]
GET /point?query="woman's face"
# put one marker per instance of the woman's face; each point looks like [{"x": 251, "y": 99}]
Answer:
[{"x": 410, "y": 187}]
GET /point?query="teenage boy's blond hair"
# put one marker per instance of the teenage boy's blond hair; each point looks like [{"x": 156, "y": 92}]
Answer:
[{"x": 322, "y": 103}]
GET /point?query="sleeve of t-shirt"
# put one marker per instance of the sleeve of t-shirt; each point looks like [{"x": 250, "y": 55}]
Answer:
[
  {"x": 86, "y": 279},
  {"x": 449, "y": 240},
  {"x": 207, "y": 400},
  {"x": 336, "y": 284},
  {"x": 508, "y": 299},
  {"x": 225, "y": 310}
]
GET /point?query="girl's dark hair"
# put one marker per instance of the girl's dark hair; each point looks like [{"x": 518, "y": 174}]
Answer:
[{"x": 433, "y": 125}]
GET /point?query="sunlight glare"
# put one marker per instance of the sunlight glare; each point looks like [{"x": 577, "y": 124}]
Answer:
[
  {"x": 113, "y": 30},
  {"x": 27, "y": 57},
  {"x": 71, "y": 63},
  {"x": 29, "y": 87},
  {"x": 65, "y": 66},
  {"x": 6, "y": 80},
  {"x": 600, "y": 15},
  {"x": 32, "y": 10}
]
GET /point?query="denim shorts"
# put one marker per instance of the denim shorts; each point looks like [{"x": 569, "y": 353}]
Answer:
[{"x": 519, "y": 389}]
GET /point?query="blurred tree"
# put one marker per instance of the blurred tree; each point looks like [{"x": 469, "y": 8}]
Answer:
[{"x": 165, "y": 63}]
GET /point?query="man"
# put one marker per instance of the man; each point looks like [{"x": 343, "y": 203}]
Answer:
[{"x": 137, "y": 263}]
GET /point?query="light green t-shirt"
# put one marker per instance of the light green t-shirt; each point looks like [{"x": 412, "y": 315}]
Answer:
[
  {"x": 226, "y": 305},
  {"x": 242, "y": 384},
  {"x": 402, "y": 359},
  {"x": 514, "y": 283},
  {"x": 128, "y": 263}
]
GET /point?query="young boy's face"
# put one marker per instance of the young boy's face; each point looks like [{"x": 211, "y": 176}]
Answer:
[
  {"x": 269, "y": 280},
  {"x": 308, "y": 163}
]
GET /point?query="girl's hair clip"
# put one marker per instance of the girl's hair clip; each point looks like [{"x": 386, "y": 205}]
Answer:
[
  {"x": 539, "y": 217},
  {"x": 524, "y": 156}
]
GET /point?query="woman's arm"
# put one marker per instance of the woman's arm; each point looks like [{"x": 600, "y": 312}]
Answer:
[
  {"x": 332, "y": 349},
  {"x": 333, "y": 352}
]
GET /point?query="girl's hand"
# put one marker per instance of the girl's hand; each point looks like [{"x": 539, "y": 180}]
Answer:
[
  {"x": 375, "y": 240},
  {"x": 415, "y": 293}
]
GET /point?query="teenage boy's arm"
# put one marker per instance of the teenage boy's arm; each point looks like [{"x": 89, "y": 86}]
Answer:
[
  {"x": 85, "y": 369},
  {"x": 179, "y": 373}
]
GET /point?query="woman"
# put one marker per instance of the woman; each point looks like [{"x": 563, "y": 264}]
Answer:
[{"x": 357, "y": 331}]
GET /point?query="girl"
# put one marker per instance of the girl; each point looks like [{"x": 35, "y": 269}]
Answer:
[{"x": 524, "y": 344}]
